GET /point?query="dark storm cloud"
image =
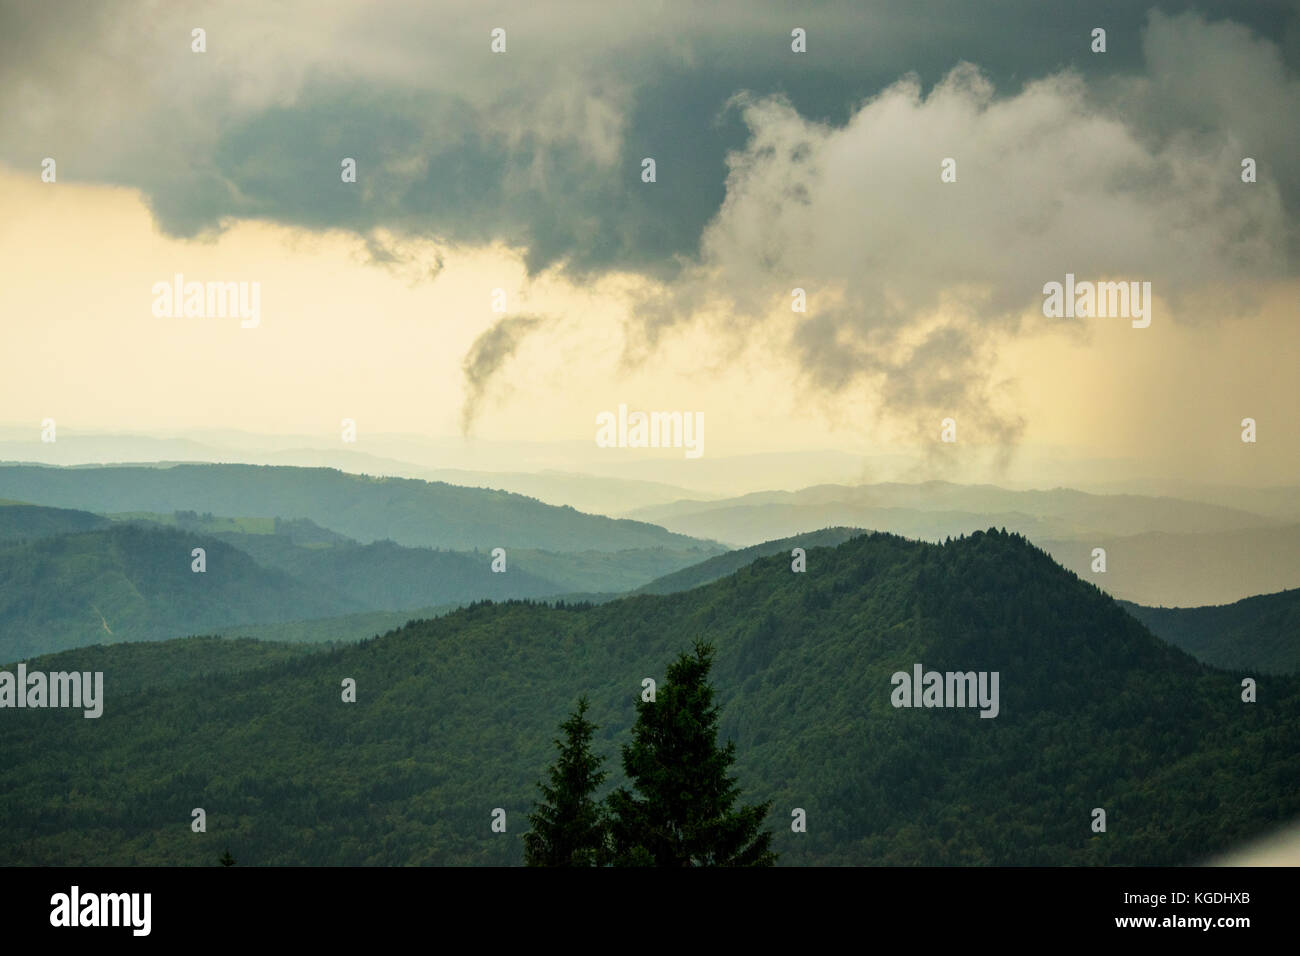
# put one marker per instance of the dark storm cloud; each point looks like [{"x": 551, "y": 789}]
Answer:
[
  {"x": 437, "y": 160},
  {"x": 428, "y": 166}
]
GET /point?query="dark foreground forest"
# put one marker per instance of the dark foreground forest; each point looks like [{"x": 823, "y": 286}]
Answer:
[{"x": 455, "y": 718}]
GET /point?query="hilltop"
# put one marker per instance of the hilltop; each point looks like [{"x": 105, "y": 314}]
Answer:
[{"x": 454, "y": 718}]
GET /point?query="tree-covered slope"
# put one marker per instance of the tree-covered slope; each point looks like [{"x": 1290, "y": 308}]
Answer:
[
  {"x": 609, "y": 572},
  {"x": 386, "y": 575},
  {"x": 136, "y": 583},
  {"x": 337, "y": 573},
  {"x": 723, "y": 564},
  {"x": 1255, "y": 634},
  {"x": 20, "y": 523},
  {"x": 152, "y": 664},
  {"x": 454, "y": 718},
  {"x": 405, "y": 510}
]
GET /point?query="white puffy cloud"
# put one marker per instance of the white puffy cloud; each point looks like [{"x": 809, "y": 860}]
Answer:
[{"x": 911, "y": 280}]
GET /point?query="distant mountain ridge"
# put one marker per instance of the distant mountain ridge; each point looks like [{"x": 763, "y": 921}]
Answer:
[
  {"x": 416, "y": 577},
  {"x": 1257, "y": 634},
  {"x": 61, "y": 589},
  {"x": 1159, "y": 550},
  {"x": 936, "y": 509},
  {"x": 135, "y": 583},
  {"x": 1188, "y": 570},
  {"x": 406, "y": 511}
]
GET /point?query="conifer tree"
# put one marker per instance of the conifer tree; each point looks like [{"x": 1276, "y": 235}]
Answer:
[
  {"x": 568, "y": 827},
  {"x": 683, "y": 811}
]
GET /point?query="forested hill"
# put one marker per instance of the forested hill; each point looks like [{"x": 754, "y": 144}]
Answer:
[
  {"x": 137, "y": 583},
  {"x": 20, "y": 522},
  {"x": 405, "y": 510},
  {"x": 723, "y": 564},
  {"x": 455, "y": 717},
  {"x": 1258, "y": 633}
]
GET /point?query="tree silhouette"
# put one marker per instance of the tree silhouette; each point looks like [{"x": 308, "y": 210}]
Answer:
[
  {"x": 568, "y": 827},
  {"x": 683, "y": 810}
]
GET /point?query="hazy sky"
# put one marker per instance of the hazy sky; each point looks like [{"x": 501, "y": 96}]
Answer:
[{"x": 522, "y": 171}]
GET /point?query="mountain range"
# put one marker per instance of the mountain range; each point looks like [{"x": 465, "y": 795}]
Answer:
[
  {"x": 1159, "y": 550},
  {"x": 404, "y": 510},
  {"x": 70, "y": 578},
  {"x": 343, "y": 587},
  {"x": 933, "y": 509},
  {"x": 453, "y": 718}
]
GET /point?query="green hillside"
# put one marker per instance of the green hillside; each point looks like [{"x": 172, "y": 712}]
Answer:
[
  {"x": 20, "y": 523},
  {"x": 731, "y": 561},
  {"x": 334, "y": 588},
  {"x": 390, "y": 576},
  {"x": 135, "y": 583},
  {"x": 1256, "y": 634},
  {"x": 387, "y": 576},
  {"x": 139, "y": 665},
  {"x": 454, "y": 717},
  {"x": 404, "y": 510},
  {"x": 608, "y": 571},
  {"x": 342, "y": 629}
]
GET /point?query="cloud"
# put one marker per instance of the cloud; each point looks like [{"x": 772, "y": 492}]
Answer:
[
  {"x": 825, "y": 175},
  {"x": 539, "y": 148},
  {"x": 1217, "y": 86},
  {"x": 487, "y": 356},
  {"x": 910, "y": 281}
]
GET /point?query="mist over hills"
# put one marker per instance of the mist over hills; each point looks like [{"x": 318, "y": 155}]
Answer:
[
  {"x": 61, "y": 588},
  {"x": 584, "y": 474},
  {"x": 597, "y": 494},
  {"x": 454, "y": 717},
  {"x": 418, "y": 577},
  {"x": 1280, "y": 501},
  {"x": 1188, "y": 570},
  {"x": 936, "y": 508},
  {"x": 1244, "y": 553},
  {"x": 606, "y": 481},
  {"x": 406, "y": 511},
  {"x": 1159, "y": 550},
  {"x": 383, "y": 585}
]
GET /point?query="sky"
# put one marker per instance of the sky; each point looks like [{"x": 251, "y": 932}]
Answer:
[{"x": 522, "y": 171}]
